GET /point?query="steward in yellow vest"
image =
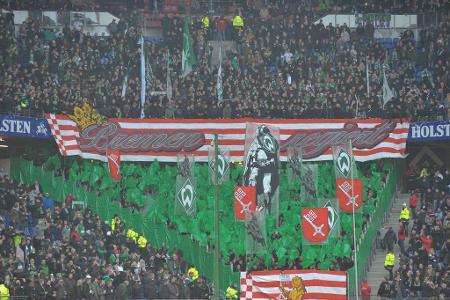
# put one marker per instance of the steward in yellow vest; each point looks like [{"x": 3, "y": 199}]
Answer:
[
  {"x": 389, "y": 263},
  {"x": 231, "y": 293},
  {"x": 404, "y": 217},
  {"x": 238, "y": 21},
  {"x": 4, "y": 291},
  {"x": 131, "y": 234},
  {"x": 115, "y": 222},
  {"x": 205, "y": 22},
  {"x": 142, "y": 242}
]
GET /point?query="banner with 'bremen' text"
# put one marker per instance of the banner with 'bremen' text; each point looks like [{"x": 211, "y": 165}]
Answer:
[{"x": 163, "y": 140}]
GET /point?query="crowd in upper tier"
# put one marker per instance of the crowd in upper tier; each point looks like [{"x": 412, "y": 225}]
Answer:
[{"x": 282, "y": 62}]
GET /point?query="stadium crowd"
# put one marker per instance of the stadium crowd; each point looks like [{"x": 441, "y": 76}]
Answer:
[
  {"x": 422, "y": 267},
  {"x": 52, "y": 250},
  {"x": 283, "y": 66}
]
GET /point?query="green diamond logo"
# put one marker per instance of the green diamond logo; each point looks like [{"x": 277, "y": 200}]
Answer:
[
  {"x": 344, "y": 163},
  {"x": 186, "y": 196}
]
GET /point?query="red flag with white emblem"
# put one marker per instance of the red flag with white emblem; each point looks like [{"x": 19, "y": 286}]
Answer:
[
  {"x": 114, "y": 163},
  {"x": 315, "y": 224},
  {"x": 244, "y": 201},
  {"x": 349, "y": 196}
]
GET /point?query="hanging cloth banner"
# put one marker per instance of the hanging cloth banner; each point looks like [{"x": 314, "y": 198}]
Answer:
[
  {"x": 255, "y": 233},
  {"x": 349, "y": 190},
  {"x": 87, "y": 135},
  {"x": 223, "y": 164},
  {"x": 294, "y": 158},
  {"x": 261, "y": 165},
  {"x": 309, "y": 180},
  {"x": 276, "y": 284},
  {"x": 114, "y": 163},
  {"x": 185, "y": 193}
]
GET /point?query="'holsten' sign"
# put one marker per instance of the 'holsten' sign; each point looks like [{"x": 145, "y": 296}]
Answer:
[
  {"x": 24, "y": 127},
  {"x": 429, "y": 131}
]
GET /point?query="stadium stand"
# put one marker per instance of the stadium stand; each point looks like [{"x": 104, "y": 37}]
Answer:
[
  {"x": 421, "y": 268},
  {"x": 69, "y": 231},
  {"x": 58, "y": 250},
  {"x": 275, "y": 69}
]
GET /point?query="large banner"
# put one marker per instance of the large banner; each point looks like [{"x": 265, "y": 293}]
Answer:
[
  {"x": 150, "y": 139},
  {"x": 429, "y": 131},
  {"x": 261, "y": 165},
  {"x": 276, "y": 284},
  {"x": 26, "y": 127}
]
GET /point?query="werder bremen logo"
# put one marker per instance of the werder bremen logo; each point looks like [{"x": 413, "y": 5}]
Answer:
[
  {"x": 268, "y": 143},
  {"x": 186, "y": 197},
  {"x": 344, "y": 163},
  {"x": 222, "y": 166}
]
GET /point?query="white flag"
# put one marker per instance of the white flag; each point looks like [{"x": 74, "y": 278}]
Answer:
[
  {"x": 367, "y": 78},
  {"x": 168, "y": 80},
  {"x": 143, "y": 81},
  {"x": 219, "y": 86},
  {"x": 124, "y": 86},
  {"x": 387, "y": 92}
]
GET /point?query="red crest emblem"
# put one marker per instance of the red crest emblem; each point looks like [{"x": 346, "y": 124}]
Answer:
[
  {"x": 349, "y": 196},
  {"x": 315, "y": 224},
  {"x": 244, "y": 201}
]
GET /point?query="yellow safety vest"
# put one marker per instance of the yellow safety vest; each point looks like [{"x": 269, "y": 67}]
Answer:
[
  {"x": 114, "y": 223},
  {"x": 404, "y": 214},
  {"x": 231, "y": 293},
  {"x": 205, "y": 21},
  {"x": 390, "y": 260},
  {"x": 142, "y": 242},
  {"x": 193, "y": 273},
  {"x": 4, "y": 292},
  {"x": 131, "y": 234},
  {"x": 238, "y": 21}
]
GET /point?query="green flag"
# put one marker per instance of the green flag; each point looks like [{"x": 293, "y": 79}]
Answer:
[
  {"x": 189, "y": 58},
  {"x": 219, "y": 86},
  {"x": 223, "y": 164},
  {"x": 185, "y": 193}
]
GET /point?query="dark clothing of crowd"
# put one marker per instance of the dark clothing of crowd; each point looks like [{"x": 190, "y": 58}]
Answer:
[
  {"x": 422, "y": 268},
  {"x": 51, "y": 250},
  {"x": 283, "y": 66}
]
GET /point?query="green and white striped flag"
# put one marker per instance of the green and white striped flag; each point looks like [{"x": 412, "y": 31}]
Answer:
[
  {"x": 168, "y": 80},
  {"x": 219, "y": 79},
  {"x": 188, "y": 58},
  {"x": 387, "y": 92}
]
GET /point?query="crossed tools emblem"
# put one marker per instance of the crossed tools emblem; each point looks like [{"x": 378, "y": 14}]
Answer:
[
  {"x": 345, "y": 187},
  {"x": 245, "y": 207},
  {"x": 310, "y": 217}
]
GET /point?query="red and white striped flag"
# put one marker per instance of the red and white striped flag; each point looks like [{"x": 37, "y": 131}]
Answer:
[
  {"x": 318, "y": 284},
  {"x": 150, "y": 139}
]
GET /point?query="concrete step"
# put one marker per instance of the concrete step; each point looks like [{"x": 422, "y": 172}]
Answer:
[{"x": 377, "y": 273}]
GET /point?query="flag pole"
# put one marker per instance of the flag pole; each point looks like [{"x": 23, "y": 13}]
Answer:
[
  {"x": 355, "y": 246},
  {"x": 216, "y": 220}
]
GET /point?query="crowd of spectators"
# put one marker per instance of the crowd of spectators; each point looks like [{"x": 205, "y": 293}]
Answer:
[
  {"x": 283, "y": 66},
  {"x": 51, "y": 250},
  {"x": 422, "y": 267}
]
